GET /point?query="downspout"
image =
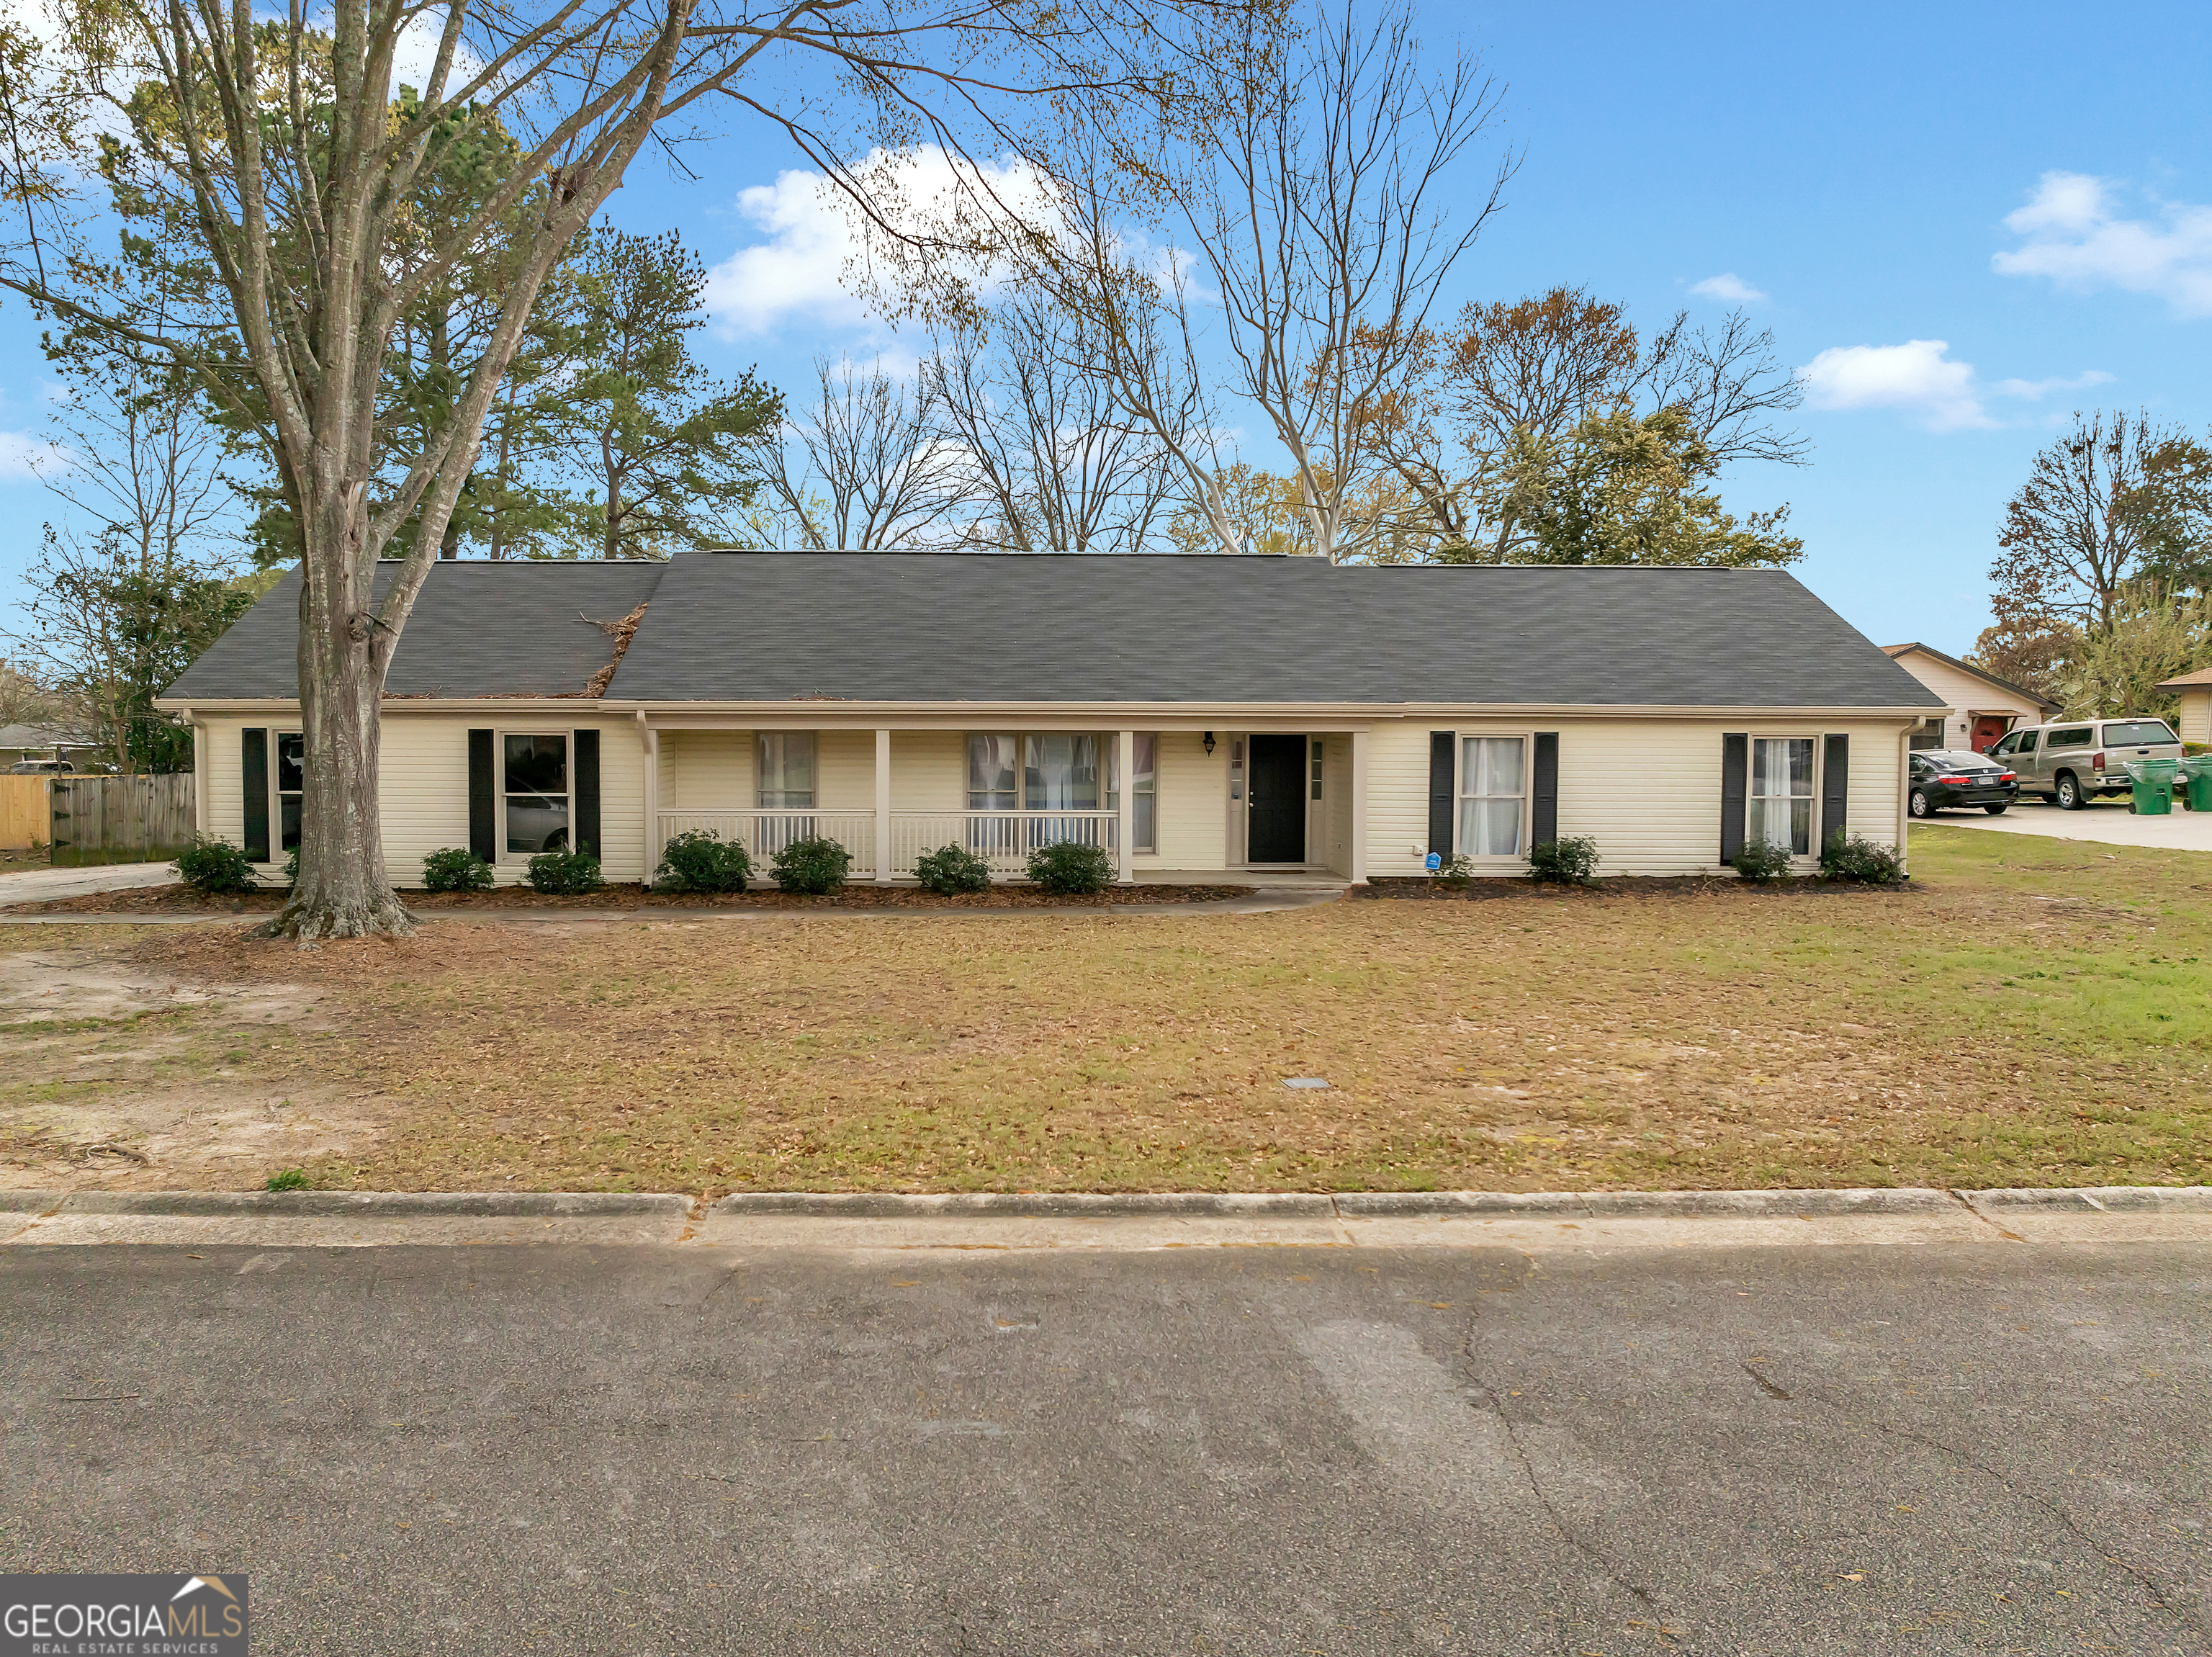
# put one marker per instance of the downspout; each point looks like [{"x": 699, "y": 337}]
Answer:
[{"x": 1904, "y": 818}]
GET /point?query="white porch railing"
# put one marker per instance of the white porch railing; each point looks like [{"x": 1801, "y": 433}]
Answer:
[
  {"x": 1003, "y": 839},
  {"x": 764, "y": 833}
]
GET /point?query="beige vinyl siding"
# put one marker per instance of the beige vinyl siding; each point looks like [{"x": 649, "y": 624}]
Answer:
[
  {"x": 707, "y": 771},
  {"x": 1649, "y": 791},
  {"x": 425, "y": 787},
  {"x": 1967, "y": 695},
  {"x": 1398, "y": 793},
  {"x": 2196, "y": 718},
  {"x": 929, "y": 770},
  {"x": 1336, "y": 803},
  {"x": 1192, "y": 786}
]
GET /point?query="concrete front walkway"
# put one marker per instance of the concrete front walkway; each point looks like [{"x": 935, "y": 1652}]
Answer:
[
  {"x": 38, "y": 886},
  {"x": 2111, "y": 823}
]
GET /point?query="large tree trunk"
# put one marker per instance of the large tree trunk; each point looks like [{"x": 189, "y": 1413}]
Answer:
[{"x": 342, "y": 890}]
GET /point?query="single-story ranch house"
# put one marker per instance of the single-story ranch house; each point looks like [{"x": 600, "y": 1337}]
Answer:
[{"x": 1192, "y": 714}]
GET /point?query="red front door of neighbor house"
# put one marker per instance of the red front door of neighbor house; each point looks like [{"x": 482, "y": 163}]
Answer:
[{"x": 1988, "y": 728}]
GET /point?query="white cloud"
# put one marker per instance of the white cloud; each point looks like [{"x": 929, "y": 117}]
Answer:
[
  {"x": 2034, "y": 389},
  {"x": 1917, "y": 377},
  {"x": 1728, "y": 288},
  {"x": 2074, "y": 234},
  {"x": 25, "y": 457},
  {"x": 802, "y": 271}
]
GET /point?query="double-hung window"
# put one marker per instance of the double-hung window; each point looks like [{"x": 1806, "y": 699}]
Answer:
[
  {"x": 534, "y": 787},
  {"x": 1780, "y": 812},
  {"x": 786, "y": 771},
  {"x": 1493, "y": 795},
  {"x": 291, "y": 783},
  {"x": 1144, "y": 793}
]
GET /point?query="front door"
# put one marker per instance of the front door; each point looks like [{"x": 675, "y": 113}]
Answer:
[
  {"x": 1988, "y": 729},
  {"x": 1277, "y": 822}
]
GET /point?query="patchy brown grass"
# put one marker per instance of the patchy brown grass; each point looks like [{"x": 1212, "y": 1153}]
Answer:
[
  {"x": 183, "y": 900},
  {"x": 2031, "y": 1012}
]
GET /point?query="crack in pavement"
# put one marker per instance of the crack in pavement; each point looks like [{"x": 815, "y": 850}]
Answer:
[
  {"x": 2004, "y": 1483},
  {"x": 1642, "y": 1596}
]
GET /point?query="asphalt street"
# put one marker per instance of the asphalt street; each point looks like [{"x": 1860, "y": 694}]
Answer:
[{"x": 642, "y": 1450}]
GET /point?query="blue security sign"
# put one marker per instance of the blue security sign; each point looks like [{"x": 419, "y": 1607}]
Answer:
[{"x": 1434, "y": 861}]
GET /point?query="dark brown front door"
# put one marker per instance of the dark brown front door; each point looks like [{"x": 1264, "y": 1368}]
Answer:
[{"x": 1278, "y": 805}]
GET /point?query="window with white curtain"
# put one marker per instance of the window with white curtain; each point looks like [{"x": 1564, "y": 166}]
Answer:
[
  {"x": 1144, "y": 793},
  {"x": 1492, "y": 795},
  {"x": 786, "y": 771},
  {"x": 994, "y": 777},
  {"x": 1780, "y": 811}
]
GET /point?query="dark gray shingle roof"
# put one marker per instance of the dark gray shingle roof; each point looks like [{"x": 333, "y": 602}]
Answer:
[
  {"x": 989, "y": 627},
  {"x": 479, "y": 628},
  {"x": 993, "y": 627}
]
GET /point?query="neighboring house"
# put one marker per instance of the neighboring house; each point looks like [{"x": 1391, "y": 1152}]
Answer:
[
  {"x": 21, "y": 742},
  {"x": 1982, "y": 707},
  {"x": 2195, "y": 690},
  {"x": 1190, "y": 714}
]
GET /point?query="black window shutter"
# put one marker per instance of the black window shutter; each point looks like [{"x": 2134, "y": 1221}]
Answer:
[
  {"x": 1735, "y": 781},
  {"x": 1544, "y": 793},
  {"x": 484, "y": 810},
  {"x": 254, "y": 755},
  {"x": 1835, "y": 785},
  {"x": 1440, "y": 794},
  {"x": 588, "y": 792}
]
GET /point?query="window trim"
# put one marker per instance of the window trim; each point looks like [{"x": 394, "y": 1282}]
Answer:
[
  {"x": 278, "y": 854},
  {"x": 1138, "y": 846},
  {"x": 500, "y": 734},
  {"x": 1528, "y": 738},
  {"x": 1812, "y": 854}
]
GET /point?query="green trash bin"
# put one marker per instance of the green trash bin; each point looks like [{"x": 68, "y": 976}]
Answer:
[
  {"x": 2153, "y": 791},
  {"x": 2197, "y": 781}
]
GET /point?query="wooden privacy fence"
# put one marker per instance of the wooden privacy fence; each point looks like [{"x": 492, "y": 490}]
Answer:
[
  {"x": 121, "y": 819},
  {"x": 24, "y": 813}
]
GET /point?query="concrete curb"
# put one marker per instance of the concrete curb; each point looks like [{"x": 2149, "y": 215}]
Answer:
[
  {"x": 1080, "y": 1205},
  {"x": 351, "y": 1205},
  {"x": 1050, "y": 1205},
  {"x": 2115, "y": 1199}
]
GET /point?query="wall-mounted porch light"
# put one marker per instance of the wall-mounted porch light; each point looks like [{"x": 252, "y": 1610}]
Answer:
[{"x": 1209, "y": 742}]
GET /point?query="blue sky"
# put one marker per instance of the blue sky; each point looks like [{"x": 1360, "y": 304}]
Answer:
[{"x": 2026, "y": 185}]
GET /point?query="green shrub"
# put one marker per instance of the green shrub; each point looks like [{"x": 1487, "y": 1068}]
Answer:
[
  {"x": 563, "y": 873},
  {"x": 1861, "y": 859},
  {"x": 1761, "y": 861},
  {"x": 701, "y": 862},
  {"x": 292, "y": 869},
  {"x": 456, "y": 868},
  {"x": 951, "y": 869},
  {"x": 1455, "y": 874},
  {"x": 1068, "y": 868},
  {"x": 288, "y": 1179},
  {"x": 815, "y": 866},
  {"x": 215, "y": 868},
  {"x": 1569, "y": 861}
]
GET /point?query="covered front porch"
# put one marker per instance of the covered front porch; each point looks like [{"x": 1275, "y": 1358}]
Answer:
[{"x": 1184, "y": 801}]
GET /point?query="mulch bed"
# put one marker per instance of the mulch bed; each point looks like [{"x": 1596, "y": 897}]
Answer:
[
  {"x": 181, "y": 900},
  {"x": 1620, "y": 886}
]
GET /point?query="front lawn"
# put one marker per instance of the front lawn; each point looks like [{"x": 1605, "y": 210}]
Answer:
[{"x": 2030, "y": 1011}]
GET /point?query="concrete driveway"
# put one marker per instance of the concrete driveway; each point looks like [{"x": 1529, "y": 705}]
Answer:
[
  {"x": 38, "y": 885},
  {"x": 2111, "y": 822},
  {"x": 1966, "y": 1447}
]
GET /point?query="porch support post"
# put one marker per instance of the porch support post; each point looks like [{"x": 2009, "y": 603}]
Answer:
[
  {"x": 1125, "y": 809},
  {"x": 649, "y": 740},
  {"x": 1360, "y": 808},
  {"x": 882, "y": 808}
]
